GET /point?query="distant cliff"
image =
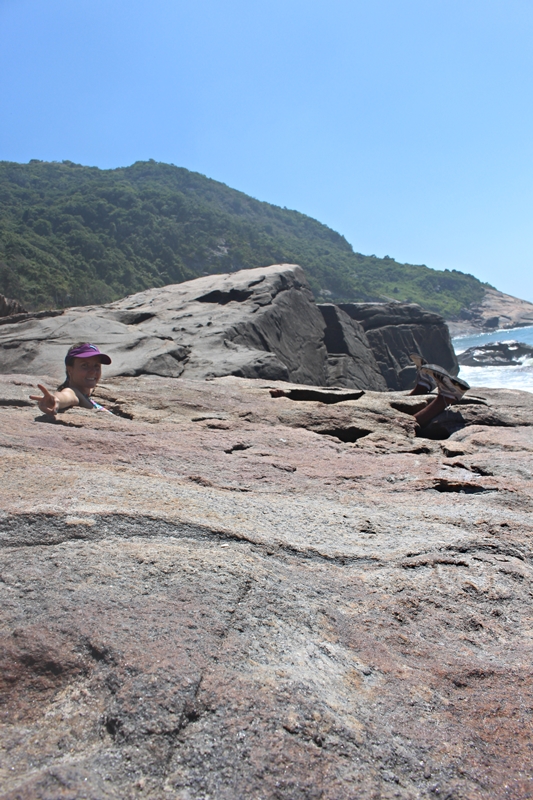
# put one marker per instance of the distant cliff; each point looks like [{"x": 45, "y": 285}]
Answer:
[
  {"x": 75, "y": 235},
  {"x": 495, "y": 311}
]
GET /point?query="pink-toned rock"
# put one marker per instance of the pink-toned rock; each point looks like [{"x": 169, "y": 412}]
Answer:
[
  {"x": 223, "y": 594},
  {"x": 496, "y": 310}
]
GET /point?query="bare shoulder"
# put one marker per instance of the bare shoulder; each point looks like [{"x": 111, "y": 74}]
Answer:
[
  {"x": 81, "y": 399},
  {"x": 67, "y": 398}
]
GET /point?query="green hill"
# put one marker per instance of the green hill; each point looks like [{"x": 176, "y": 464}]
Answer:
[{"x": 75, "y": 235}]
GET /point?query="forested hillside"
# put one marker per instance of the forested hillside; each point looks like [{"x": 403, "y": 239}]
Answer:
[{"x": 75, "y": 235}]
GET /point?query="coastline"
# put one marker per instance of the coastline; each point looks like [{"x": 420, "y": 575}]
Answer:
[{"x": 518, "y": 376}]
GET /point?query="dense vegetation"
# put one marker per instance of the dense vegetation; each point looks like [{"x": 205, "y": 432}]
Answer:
[{"x": 74, "y": 235}]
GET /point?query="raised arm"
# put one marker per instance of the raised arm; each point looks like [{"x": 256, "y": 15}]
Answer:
[{"x": 52, "y": 402}]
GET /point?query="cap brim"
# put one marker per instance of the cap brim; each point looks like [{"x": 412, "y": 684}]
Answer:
[{"x": 102, "y": 356}]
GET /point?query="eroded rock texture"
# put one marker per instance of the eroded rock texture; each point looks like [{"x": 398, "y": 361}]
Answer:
[
  {"x": 254, "y": 323},
  {"x": 350, "y": 359},
  {"x": 221, "y": 594},
  {"x": 9, "y": 307},
  {"x": 496, "y": 310},
  {"x": 258, "y": 323},
  {"x": 394, "y": 330}
]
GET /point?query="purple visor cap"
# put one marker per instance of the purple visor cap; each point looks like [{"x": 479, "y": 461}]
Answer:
[{"x": 86, "y": 351}]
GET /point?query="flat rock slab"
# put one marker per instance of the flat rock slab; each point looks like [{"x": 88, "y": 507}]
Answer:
[{"x": 220, "y": 593}]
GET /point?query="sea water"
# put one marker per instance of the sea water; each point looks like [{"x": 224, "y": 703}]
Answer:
[{"x": 513, "y": 377}]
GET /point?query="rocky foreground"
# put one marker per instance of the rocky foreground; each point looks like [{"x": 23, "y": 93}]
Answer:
[{"x": 219, "y": 594}]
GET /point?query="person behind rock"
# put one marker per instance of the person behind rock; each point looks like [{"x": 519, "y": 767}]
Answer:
[
  {"x": 425, "y": 383},
  {"x": 83, "y": 364},
  {"x": 430, "y": 376}
]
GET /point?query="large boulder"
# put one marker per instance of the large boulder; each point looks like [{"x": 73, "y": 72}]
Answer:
[
  {"x": 257, "y": 323},
  {"x": 9, "y": 307},
  {"x": 350, "y": 360},
  {"x": 394, "y": 330}
]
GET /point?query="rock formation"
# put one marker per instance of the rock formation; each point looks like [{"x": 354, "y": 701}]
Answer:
[
  {"x": 496, "y": 354},
  {"x": 394, "y": 330},
  {"x": 221, "y": 594},
  {"x": 9, "y": 307},
  {"x": 350, "y": 359},
  {"x": 258, "y": 323},
  {"x": 496, "y": 310}
]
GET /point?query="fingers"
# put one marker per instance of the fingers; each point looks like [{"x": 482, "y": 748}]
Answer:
[
  {"x": 48, "y": 408},
  {"x": 48, "y": 403},
  {"x": 44, "y": 390}
]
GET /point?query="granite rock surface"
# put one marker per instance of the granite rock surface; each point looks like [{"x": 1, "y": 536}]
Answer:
[
  {"x": 350, "y": 359},
  {"x": 394, "y": 330},
  {"x": 258, "y": 323},
  {"x": 496, "y": 310},
  {"x": 217, "y": 593}
]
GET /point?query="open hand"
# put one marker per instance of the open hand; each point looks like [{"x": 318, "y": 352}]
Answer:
[{"x": 48, "y": 403}]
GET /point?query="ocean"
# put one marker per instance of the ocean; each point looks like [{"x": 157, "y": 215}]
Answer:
[{"x": 518, "y": 377}]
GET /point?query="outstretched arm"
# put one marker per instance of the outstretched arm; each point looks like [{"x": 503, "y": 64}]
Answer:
[{"x": 52, "y": 402}]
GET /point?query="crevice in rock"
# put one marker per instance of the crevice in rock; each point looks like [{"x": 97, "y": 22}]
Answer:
[
  {"x": 432, "y": 561},
  {"x": 466, "y": 678},
  {"x": 113, "y": 726},
  {"x": 442, "y": 427},
  {"x": 239, "y": 446},
  {"x": 118, "y": 411},
  {"x": 23, "y": 317},
  {"x": 191, "y": 709},
  {"x": 481, "y": 471},
  {"x": 349, "y": 435},
  {"x": 471, "y": 401},
  {"x": 497, "y": 549},
  {"x": 5, "y": 401},
  {"x": 99, "y": 653},
  {"x": 321, "y": 395},
  {"x": 461, "y": 487},
  {"x": 485, "y": 473},
  {"x": 135, "y": 317},
  {"x": 222, "y": 298}
]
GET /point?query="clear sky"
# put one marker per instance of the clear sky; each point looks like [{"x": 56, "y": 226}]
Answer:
[{"x": 406, "y": 125}]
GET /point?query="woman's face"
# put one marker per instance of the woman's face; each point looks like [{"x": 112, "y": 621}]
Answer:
[{"x": 85, "y": 373}]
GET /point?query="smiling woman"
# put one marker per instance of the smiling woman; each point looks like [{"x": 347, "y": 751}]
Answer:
[{"x": 83, "y": 364}]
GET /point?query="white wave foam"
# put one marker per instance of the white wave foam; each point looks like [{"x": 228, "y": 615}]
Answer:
[{"x": 517, "y": 377}]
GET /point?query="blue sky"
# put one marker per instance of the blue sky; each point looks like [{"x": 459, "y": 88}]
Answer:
[{"x": 404, "y": 124}]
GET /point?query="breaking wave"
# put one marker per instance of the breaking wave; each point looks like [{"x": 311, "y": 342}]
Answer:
[{"x": 519, "y": 376}]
